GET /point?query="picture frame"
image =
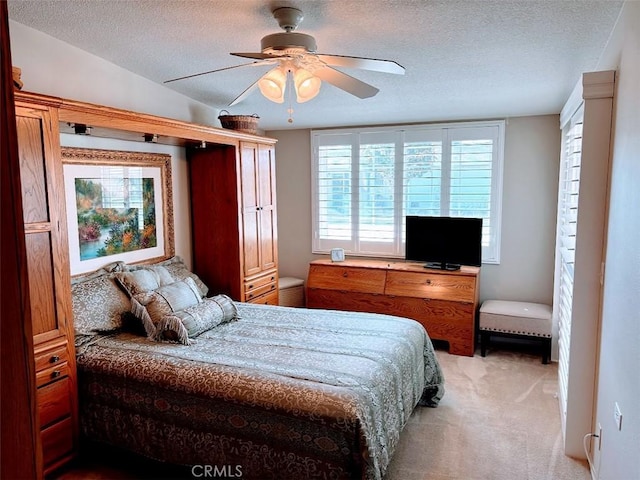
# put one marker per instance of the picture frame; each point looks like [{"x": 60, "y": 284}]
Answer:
[{"x": 119, "y": 207}]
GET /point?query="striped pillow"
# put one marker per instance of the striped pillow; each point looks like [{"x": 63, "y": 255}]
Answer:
[{"x": 189, "y": 323}]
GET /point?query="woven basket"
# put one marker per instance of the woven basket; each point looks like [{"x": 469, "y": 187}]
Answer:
[{"x": 242, "y": 123}]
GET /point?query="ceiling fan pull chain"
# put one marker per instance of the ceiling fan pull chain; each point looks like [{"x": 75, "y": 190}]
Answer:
[{"x": 290, "y": 82}]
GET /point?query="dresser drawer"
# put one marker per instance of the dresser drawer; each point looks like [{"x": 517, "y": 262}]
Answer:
[
  {"x": 270, "y": 298},
  {"x": 351, "y": 279},
  {"x": 57, "y": 441},
  {"x": 259, "y": 291},
  {"x": 51, "y": 374},
  {"x": 457, "y": 288},
  {"x": 51, "y": 357},
  {"x": 54, "y": 401},
  {"x": 258, "y": 282}
]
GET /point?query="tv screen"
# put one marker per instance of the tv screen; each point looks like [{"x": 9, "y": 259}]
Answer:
[{"x": 444, "y": 242}]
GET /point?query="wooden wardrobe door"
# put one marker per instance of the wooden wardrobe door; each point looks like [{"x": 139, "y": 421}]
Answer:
[
  {"x": 49, "y": 284},
  {"x": 45, "y": 225},
  {"x": 249, "y": 184},
  {"x": 267, "y": 217}
]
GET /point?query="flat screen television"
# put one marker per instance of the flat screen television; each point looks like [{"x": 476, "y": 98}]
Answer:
[{"x": 444, "y": 242}]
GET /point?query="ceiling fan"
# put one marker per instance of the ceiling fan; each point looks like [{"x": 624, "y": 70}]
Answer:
[{"x": 295, "y": 59}]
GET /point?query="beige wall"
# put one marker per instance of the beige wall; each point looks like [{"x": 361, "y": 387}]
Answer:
[
  {"x": 619, "y": 364},
  {"x": 532, "y": 146},
  {"x": 53, "y": 67}
]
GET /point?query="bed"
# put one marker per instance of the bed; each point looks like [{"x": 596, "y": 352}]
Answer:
[{"x": 277, "y": 392}]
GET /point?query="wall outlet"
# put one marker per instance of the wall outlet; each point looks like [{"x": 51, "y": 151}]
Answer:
[
  {"x": 618, "y": 416},
  {"x": 599, "y": 436}
]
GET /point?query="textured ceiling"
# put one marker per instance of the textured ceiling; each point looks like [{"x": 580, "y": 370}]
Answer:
[{"x": 464, "y": 59}]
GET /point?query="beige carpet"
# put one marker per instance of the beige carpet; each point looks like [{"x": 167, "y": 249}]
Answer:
[{"x": 499, "y": 420}]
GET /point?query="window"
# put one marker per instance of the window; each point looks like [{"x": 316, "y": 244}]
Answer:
[
  {"x": 122, "y": 189},
  {"x": 366, "y": 181}
]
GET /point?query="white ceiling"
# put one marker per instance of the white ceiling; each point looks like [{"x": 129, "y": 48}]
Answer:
[{"x": 464, "y": 59}]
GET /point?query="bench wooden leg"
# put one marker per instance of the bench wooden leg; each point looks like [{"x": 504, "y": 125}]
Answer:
[
  {"x": 546, "y": 350},
  {"x": 485, "y": 338}
]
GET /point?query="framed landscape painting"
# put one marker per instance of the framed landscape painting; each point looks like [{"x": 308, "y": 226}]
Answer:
[{"x": 119, "y": 207}]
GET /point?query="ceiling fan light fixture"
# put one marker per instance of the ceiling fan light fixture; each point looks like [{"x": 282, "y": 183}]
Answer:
[
  {"x": 272, "y": 85},
  {"x": 306, "y": 84},
  {"x": 295, "y": 55}
]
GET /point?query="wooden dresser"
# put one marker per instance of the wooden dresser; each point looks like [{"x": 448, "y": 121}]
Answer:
[
  {"x": 49, "y": 280},
  {"x": 445, "y": 302},
  {"x": 233, "y": 210}
]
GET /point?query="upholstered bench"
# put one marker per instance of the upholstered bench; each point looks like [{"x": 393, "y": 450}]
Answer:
[
  {"x": 516, "y": 319},
  {"x": 291, "y": 292}
]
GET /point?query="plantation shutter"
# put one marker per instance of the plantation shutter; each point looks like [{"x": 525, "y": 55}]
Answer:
[
  {"x": 422, "y": 174},
  {"x": 334, "y": 192},
  {"x": 474, "y": 180},
  {"x": 366, "y": 181},
  {"x": 569, "y": 190},
  {"x": 586, "y": 121},
  {"x": 375, "y": 205}
]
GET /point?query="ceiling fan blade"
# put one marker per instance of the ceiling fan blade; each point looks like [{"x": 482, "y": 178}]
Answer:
[
  {"x": 257, "y": 56},
  {"x": 257, "y": 63},
  {"x": 246, "y": 92},
  {"x": 346, "y": 82},
  {"x": 386, "y": 66}
]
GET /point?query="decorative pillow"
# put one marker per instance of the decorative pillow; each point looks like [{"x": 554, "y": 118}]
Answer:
[
  {"x": 229, "y": 308},
  {"x": 145, "y": 279},
  {"x": 109, "y": 268},
  {"x": 98, "y": 303},
  {"x": 179, "y": 271},
  {"x": 189, "y": 323},
  {"x": 150, "y": 307},
  {"x": 163, "y": 274}
]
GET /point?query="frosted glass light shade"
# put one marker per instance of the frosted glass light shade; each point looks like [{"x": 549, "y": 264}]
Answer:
[
  {"x": 273, "y": 84},
  {"x": 307, "y": 86}
]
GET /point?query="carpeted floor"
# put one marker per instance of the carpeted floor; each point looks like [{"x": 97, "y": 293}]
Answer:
[{"x": 499, "y": 420}]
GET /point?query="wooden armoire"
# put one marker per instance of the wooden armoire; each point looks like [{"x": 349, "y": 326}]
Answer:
[
  {"x": 49, "y": 282},
  {"x": 234, "y": 229},
  {"x": 234, "y": 234}
]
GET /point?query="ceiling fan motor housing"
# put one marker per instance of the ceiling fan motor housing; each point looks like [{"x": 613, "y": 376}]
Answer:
[
  {"x": 284, "y": 41},
  {"x": 288, "y": 17}
]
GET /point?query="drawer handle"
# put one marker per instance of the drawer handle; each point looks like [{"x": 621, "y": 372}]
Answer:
[
  {"x": 273, "y": 278},
  {"x": 428, "y": 281},
  {"x": 250, "y": 286},
  {"x": 345, "y": 274},
  {"x": 55, "y": 374},
  {"x": 251, "y": 295},
  {"x": 54, "y": 359},
  {"x": 272, "y": 287}
]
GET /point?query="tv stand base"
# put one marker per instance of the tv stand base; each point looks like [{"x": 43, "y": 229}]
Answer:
[{"x": 444, "y": 302}]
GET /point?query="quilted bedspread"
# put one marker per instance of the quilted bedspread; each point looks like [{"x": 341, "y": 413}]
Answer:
[{"x": 281, "y": 392}]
